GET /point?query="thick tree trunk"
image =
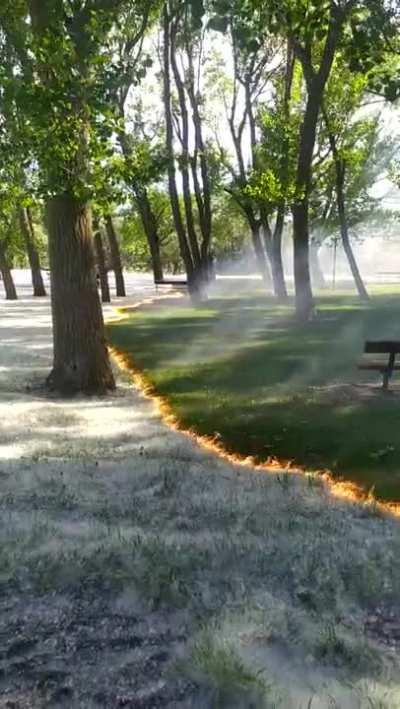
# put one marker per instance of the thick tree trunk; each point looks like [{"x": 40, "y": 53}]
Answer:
[
  {"x": 316, "y": 270},
  {"x": 304, "y": 296},
  {"x": 300, "y": 209},
  {"x": 316, "y": 82},
  {"x": 27, "y": 230},
  {"x": 115, "y": 257},
  {"x": 81, "y": 362},
  {"x": 101, "y": 263},
  {"x": 150, "y": 228},
  {"x": 8, "y": 283}
]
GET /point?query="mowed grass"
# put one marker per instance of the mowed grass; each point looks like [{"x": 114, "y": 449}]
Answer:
[{"x": 240, "y": 368}]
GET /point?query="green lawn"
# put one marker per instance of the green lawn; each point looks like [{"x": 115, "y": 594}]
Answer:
[{"x": 241, "y": 368}]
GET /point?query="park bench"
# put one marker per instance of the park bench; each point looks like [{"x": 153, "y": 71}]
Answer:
[
  {"x": 388, "y": 347},
  {"x": 173, "y": 282}
]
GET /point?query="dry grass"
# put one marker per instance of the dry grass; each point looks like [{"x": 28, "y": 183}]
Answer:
[{"x": 248, "y": 590}]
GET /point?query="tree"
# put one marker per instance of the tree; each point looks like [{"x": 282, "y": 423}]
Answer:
[
  {"x": 254, "y": 54},
  {"x": 62, "y": 79},
  {"x": 134, "y": 238},
  {"x": 28, "y": 233},
  {"x": 316, "y": 31},
  {"x": 101, "y": 262},
  {"x": 185, "y": 251},
  {"x": 271, "y": 181},
  {"x": 59, "y": 47},
  {"x": 187, "y": 52},
  {"x": 17, "y": 170},
  {"x": 182, "y": 25},
  {"x": 361, "y": 156},
  {"x": 115, "y": 256},
  {"x": 142, "y": 163},
  {"x": 5, "y": 270}
]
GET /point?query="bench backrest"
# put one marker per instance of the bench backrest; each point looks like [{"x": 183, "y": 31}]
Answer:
[{"x": 382, "y": 346}]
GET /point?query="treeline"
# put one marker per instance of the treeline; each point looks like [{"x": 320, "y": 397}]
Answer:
[{"x": 218, "y": 118}]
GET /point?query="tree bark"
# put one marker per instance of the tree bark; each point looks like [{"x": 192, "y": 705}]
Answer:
[
  {"x": 316, "y": 82},
  {"x": 150, "y": 227},
  {"x": 115, "y": 257},
  {"x": 278, "y": 274},
  {"x": 300, "y": 210},
  {"x": 302, "y": 280},
  {"x": 27, "y": 230},
  {"x": 8, "y": 282},
  {"x": 101, "y": 263},
  {"x": 81, "y": 362}
]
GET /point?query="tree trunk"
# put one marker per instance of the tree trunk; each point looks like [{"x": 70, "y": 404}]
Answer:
[
  {"x": 361, "y": 289},
  {"x": 150, "y": 228},
  {"x": 316, "y": 82},
  {"x": 316, "y": 270},
  {"x": 300, "y": 209},
  {"x": 203, "y": 191},
  {"x": 27, "y": 230},
  {"x": 278, "y": 274},
  {"x": 9, "y": 287},
  {"x": 115, "y": 257},
  {"x": 81, "y": 362},
  {"x": 273, "y": 245},
  {"x": 101, "y": 263},
  {"x": 340, "y": 170},
  {"x": 261, "y": 257},
  {"x": 304, "y": 296},
  {"x": 143, "y": 204},
  {"x": 184, "y": 162},
  {"x": 184, "y": 249}
]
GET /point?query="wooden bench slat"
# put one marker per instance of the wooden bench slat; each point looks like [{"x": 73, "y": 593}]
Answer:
[
  {"x": 170, "y": 283},
  {"x": 382, "y": 347},
  {"x": 388, "y": 347},
  {"x": 377, "y": 366}
]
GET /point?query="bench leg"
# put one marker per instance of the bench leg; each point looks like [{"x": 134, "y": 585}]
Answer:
[{"x": 389, "y": 371}]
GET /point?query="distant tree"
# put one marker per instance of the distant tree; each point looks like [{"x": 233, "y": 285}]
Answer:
[
  {"x": 367, "y": 156},
  {"x": 28, "y": 234},
  {"x": 317, "y": 31}
]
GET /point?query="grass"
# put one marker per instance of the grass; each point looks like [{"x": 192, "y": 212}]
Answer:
[{"x": 241, "y": 369}]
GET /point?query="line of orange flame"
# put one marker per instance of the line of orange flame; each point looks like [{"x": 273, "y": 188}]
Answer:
[{"x": 342, "y": 489}]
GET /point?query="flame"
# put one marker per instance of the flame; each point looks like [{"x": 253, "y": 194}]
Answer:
[{"x": 341, "y": 489}]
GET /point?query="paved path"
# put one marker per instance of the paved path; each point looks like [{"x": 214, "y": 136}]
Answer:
[{"x": 37, "y": 426}]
